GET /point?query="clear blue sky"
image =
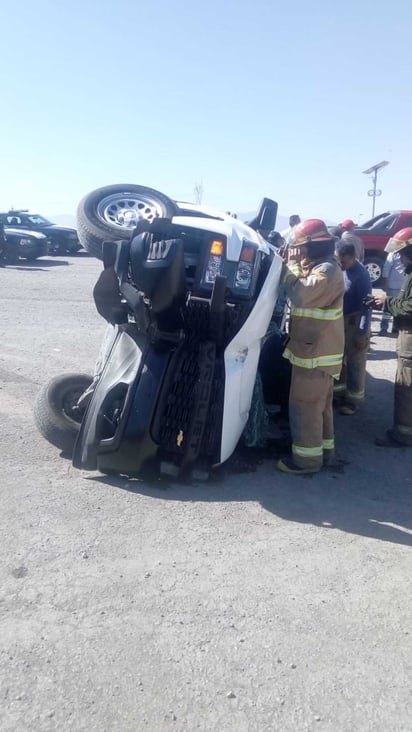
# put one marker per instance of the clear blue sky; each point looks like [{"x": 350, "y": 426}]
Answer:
[{"x": 286, "y": 99}]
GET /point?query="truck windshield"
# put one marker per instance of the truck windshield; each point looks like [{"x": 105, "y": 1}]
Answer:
[
  {"x": 376, "y": 221},
  {"x": 37, "y": 220}
]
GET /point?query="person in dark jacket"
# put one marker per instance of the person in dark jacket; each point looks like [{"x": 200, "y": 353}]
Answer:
[
  {"x": 400, "y": 434},
  {"x": 2, "y": 245},
  {"x": 275, "y": 372},
  {"x": 350, "y": 388}
]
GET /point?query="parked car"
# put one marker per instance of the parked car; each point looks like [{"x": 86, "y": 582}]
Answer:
[
  {"x": 62, "y": 239},
  {"x": 375, "y": 234},
  {"x": 22, "y": 244}
]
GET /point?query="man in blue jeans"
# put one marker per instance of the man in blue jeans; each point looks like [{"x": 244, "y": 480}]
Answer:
[
  {"x": 2, "y": 245},
  {"x": 350, "y": 389}
]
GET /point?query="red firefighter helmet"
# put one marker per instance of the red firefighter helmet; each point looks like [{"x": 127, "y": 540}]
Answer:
[
  {"x": 311, "y": 230},
  {"x": 347, "y": 224},
  {"x": 401, "y": 240}
]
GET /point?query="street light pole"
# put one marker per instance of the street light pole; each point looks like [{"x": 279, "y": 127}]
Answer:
[
  {"x": 375, "y": 180},
  {"x": 374, "y": 192}
]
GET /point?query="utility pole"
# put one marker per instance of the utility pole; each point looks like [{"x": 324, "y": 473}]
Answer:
[
  {"x": 198, "y": 192},
  {"x": 374, "y": 192}
]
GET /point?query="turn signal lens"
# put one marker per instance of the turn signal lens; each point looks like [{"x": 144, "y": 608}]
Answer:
[
  {"x": 248, "y": 253},
  {"x": 216, "y": 247}
]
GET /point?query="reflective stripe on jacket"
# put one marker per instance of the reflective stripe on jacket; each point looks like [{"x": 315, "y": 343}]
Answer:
[{"x": 316, "y": 328}]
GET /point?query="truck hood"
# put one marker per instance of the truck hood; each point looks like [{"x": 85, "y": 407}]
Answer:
[
  {"x": 24, "y": 233},
  {"x": 56, "y": 229},
  {"x": 216, "y": 222}
]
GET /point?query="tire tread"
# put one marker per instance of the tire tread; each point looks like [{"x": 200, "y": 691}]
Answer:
[
  {"x": 48, "y": 418},
  {"x": 92, "y": 232}
]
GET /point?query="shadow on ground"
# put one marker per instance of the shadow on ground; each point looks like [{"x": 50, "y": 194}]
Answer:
[
  {"x": 330, "y": 504},
  {"x": 41, "y": 264},
  {"x": 367, "y": 492}
]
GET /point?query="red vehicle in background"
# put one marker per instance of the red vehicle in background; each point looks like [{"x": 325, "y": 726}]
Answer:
[{"x": 375, "y": 234}]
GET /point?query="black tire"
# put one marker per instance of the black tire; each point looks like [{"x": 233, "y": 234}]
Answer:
[
  {"x": 73, "y": 250},
  {"x": 12, "y": 253},
  {"x": 374, "y": 264},
  {"x": 30, "y": 257},
  {"x": 57, "y": 248},
  {"x": 52, "y": 414},
  {"x": 98, "y": 219}
]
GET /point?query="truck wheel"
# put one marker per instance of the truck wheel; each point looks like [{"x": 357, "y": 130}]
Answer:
[
  {"x": 57, "y": 247},
  {"x": 30, "y": 257},
  {"x": 374, "y": 265},
  {"x": 111, "y": 213},
  {"x": 55, "y": 410},
  {"x": 11, "y": 253}
]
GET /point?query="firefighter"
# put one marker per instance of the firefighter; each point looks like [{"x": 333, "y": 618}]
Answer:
[
  {"x": 315, "y": 289},
  {"x": 400, "y": 435}
]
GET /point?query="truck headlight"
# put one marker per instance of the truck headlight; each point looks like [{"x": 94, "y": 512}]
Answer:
[
  {"x": 214, "y": 262},
  {"x": 25, "y": 242}
]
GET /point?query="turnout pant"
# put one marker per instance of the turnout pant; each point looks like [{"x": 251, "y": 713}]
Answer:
[
  {"x": 402, "y": 418},
  {"x": 386, "y": 316},
  {"x": 311, "y": 416},
  {"x": 351, "y": 384}
]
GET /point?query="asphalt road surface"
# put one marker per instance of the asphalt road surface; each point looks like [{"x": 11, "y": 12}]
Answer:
[{"x": 256, "y": 602}]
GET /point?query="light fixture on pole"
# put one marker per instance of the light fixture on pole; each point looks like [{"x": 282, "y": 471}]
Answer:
[{"x": 374, "y": 192}]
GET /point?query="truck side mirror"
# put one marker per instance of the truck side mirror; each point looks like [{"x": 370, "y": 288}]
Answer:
[{"x": 265, "y": 218}]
